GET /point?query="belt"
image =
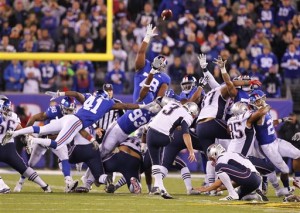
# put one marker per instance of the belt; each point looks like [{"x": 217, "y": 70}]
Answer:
[
  {"x": 204, "y": 120},
  {"x": 129, "y": 151}
]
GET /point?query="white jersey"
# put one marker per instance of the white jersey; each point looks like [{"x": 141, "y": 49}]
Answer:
[
  {"x": 133, "y": 143},
  {"x": 170, "y": 117},
  {"x": 79, "y": 140},
  {"x": 237, "y": 160},
  {"x": 242, "y": 137},
  {"x": 9, "y": 123},
  {"x": 213, "y": 105}
]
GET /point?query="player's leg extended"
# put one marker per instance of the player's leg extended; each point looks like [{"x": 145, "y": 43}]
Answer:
[
  {"x": 16, "y": 162},
  {"x": 113, "y": 137}
]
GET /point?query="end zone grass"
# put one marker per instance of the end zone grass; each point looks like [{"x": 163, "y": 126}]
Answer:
[{"x": 32, "y": 199}]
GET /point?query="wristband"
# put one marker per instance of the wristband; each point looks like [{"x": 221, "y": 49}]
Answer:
[
  {"x": 61, "y": 94},
  {"x": 280, "y": 120},
  {"x": 147, "y": 39},
  {"x": 223, "y": 70},
  {"x": 146, "y": 85}
]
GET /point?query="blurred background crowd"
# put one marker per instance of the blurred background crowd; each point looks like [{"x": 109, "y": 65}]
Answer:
[{"x": 259, "y": 38}]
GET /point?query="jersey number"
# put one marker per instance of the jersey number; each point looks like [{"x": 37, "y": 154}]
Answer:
[
  {"x": 271, "y": 129},
  {"x": 208, "y": 98},
  {"x": 170, "y": 109},
  {"x": 137, "y": 114},
  {"x": 90, "y": 104},
  {"x": 10, "y": 123},
  {"x": 235, "y": 130},
  {"x": 153, "y": 85}
]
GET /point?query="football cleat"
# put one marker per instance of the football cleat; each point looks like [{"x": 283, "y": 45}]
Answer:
[
  {"x": 84, "y": 182},
  {"x": 8, "y": 135},
  {"x": 296, "y": 183},
  {"x": 110, "y": 187},
  {"x": 18, "y": 187},
  {"x": 192, "y": 192},
  {"x": 283, "y": 192},
  {"x": 136, "y": 185},
  {"x": 230, "y": 198},
  {"x": 166, "y": 195},
  {"x": 261, "y": 195},
  {"x": 47, "y": 189},
  {"x": 70, "y": 185},
  {"x": 154, "y": 191},
  {"x": 5, "y": 191}
]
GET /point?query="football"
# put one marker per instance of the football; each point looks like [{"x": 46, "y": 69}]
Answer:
[{"x": 166, "y": 14}]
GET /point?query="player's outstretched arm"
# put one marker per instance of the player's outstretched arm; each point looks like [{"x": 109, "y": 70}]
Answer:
[
  {"x": 210, "y": 78},
  {"x": 213, "y": 186},
  {"x": 37, "y": 117},
  {"x": 141, "y": 55},
  {"x": 257, "y": 115},
  {"x": 74, "y": 94},
  {"x": 188, "y": 142}
]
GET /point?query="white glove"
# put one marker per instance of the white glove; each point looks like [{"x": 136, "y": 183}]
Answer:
[
  {"x": 296, "y": 137},
  {"x": 152, "y": 107},
  {"x": 54, "y": 94},
  {"x": 150, "y": 32},
  {"x": 202, "y": 61},
  {"x": 203, "y": 81}
]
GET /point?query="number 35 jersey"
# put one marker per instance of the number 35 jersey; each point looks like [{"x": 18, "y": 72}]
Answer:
[
  {"x": 170, "y": 117},
  {"x": 9, "y": 123},
  {"x": 242, "y": 137}
]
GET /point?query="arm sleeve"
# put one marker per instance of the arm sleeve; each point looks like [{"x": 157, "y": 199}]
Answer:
[{"x": 211, "y": 80}]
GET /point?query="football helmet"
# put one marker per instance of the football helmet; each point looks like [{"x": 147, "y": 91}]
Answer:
[
  {"x": 188, "y": 83},
  {"x": 101, "y": 93},
  {"x": 68, "y": 105},
  {"x": 214, "y": 151},
  {"x": 239, "y": 108},
  {"x": 192, "y": 108},
  {"x": 160, "y": 62},
  {"x": 5, "y": 107},
  {"x": 257, "y": 98},
  {"x": 3, "y": 97}
]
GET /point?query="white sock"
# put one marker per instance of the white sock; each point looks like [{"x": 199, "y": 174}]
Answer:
[
  {"x": 26, "y": 130},
  {"x": 210, "y": 172},
  {"x": 33, "y": 176},
  {"x": 42, "y": 141},
  {"x": 156, "y": 172},
  {"x": 121, "y": 182},
  {"x": 22, "y": 180},
  {"x": 273, "y": 180},
  {"x": 186, "y": 177},
  {"x": 227, "y": 183},
  {"x": 68, "y": 179},
  {"x": 102, "y": 178}
]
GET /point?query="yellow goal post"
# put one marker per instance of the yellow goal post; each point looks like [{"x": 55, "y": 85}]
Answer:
[{"x": 71, "y": 56}]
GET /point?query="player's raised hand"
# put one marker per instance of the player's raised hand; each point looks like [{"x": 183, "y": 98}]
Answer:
[
  {"x": 203, "y": 81},
  {"x": 202, "y": 61},
  {"x": 220, "y": 62},
  {"x": 150, "y": 32},
  {"x": 255, "y": 82},
  {"x": 53, "y": 94}
]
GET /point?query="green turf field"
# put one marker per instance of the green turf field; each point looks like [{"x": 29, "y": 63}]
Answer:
[{"x": 32, "y": 199}]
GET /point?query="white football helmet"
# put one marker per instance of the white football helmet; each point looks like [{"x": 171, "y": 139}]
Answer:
[
  {"x": 192, "y": 108},
  {"x": 214, "y": 151},
  {"x": 239, "y": 108}
]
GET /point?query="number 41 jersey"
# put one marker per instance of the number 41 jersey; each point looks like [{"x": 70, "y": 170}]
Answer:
[
  {"x": 170, "y": 117},
  {"x": 242, "y": 137}
]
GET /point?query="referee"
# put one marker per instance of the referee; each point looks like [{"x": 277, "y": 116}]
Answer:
[{"x": 101, "y": 125}]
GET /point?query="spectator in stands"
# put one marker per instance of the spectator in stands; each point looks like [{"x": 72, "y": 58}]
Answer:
[
  {"x": 32, "y": 78},
  {"x": 285, "y": 12},
  {"x": 65, "y": 79},
  {"x": 49, "y": 22},
  {"x": 119, "y": 54},
  {"x": 272, "y": 83},
  {"x": 267, "y": 11},
  {"x": 146, "y": 16},
  {"x": 190, "y": 70},
  {"x": 66, "y": 35},
  {"x": 255, "y": 72},
  {"x": 177, "y": 71},
  {"x": 5, "y": 46},
  {"x": 19, "y": 14},
  {"x": 48, "y": 75},
  {"x": 290, "y": 63},
  {"x": 14, "y": 76},
  {"x": 55, "y": 10},
  {"x": 89, "y": 46},
  {"x": 201, "y": 17},
  {"x": 243, "y": 62},
  {"x": 45, "y": 42},
  {"x": 36, "y": 8},
  {"x": 82, "y": 81},
  {"x": 190, "y": 56},
  {"x": 116, "y": 77},
  {"x": 166, "y": 51},
  {"x": 254, "y": 48},
  {"x": 288, "y": 129},
  {"x": 267, "y": 60}
]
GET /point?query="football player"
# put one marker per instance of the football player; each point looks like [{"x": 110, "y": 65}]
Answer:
[
  {"x": 66, "y": 106},
  {"x": 8, "y": 154}
]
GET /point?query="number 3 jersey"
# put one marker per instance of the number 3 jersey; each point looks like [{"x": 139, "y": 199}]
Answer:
[
  {"x": 265, "y": 132},
  {"x": 9, "y": 123},
  {"x": 242, "y": 137},
  {"x": 157, "y": 81},
  {"x": 93, "y": 109},
  {"x": 171, "y": 116}
]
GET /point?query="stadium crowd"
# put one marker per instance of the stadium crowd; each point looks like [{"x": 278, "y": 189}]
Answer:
[{"x": 260, "y": 38}]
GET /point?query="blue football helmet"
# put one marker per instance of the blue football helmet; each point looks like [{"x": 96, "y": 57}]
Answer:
[
  {"x": 101, "y": 93},
  {"x": 68, "y": 105},
  {"x": 257, "y": 98},
  {"x": 5, "y": 107},
  {"x": 188, "y": 83}
]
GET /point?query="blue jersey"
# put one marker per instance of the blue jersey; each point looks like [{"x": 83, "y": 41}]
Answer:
[
  {"x": 242, "y": 96},
  {"x": 140, "y": 78},
  {"x": 93, "y": 109},
  {"x": 48, "y": 72},
  {"x": 185, "y": 95},
  {"x": 133, "y": 119},
  {"x": 53, "y": 112},
  {"x": 265, "y": 133}
]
